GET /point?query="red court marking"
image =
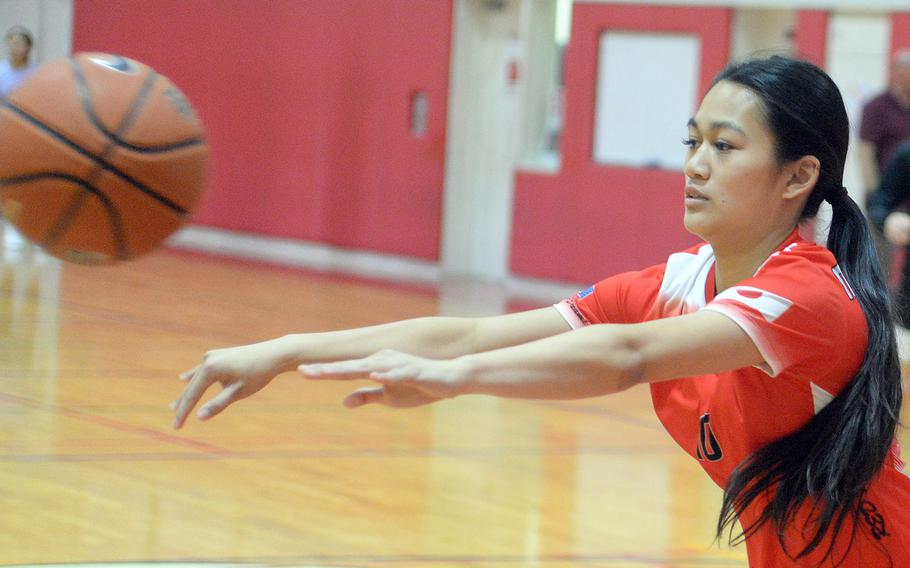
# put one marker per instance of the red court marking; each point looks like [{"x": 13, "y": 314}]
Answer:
[{"x": 118, "y": 425}]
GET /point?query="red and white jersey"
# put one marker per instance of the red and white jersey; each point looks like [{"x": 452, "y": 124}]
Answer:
[{"x": 801, "y": 313}]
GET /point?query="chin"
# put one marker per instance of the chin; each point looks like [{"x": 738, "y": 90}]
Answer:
[{"x": 694, "y": 227}]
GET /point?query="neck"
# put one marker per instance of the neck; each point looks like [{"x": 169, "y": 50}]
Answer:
[
  {"x": 901, "y": 97},
  {"x": 738, "y": 261}
]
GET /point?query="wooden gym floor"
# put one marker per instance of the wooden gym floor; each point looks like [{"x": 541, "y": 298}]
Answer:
[{"x": 92, "y": 472}]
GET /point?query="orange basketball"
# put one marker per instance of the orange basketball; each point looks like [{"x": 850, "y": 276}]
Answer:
[{"x": 101, "y": 158}]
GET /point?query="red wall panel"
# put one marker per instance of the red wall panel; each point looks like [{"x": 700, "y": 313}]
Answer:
[
  {"x": 306, "y": 106},
  {"x": 592, "y": 220},
  {"x": 900, "y": 31},
  {"x": 811, "y": 36}
]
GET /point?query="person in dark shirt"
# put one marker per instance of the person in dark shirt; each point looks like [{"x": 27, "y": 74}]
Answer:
[
  {"x": 884, "y": 125},
  {"x": 884, "y": 211}
]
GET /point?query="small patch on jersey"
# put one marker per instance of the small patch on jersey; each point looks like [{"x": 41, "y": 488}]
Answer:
[
  {"x": 750, "y": 293},
  {"x": 585, "y": 293},
  {"x": 839, "y": 274}
]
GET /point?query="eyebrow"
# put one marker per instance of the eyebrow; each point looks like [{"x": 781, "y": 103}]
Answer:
[{"x": 718, "y": 125}]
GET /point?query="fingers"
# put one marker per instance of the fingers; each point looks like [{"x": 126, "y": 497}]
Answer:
[
  {"x": 187, "y": 375},
  {"x": 199, "y": 383},
  {"x": 348, "y": 370},
  {"x": 402, "y": 375},
  {"x": 344, "y": 370},
  {"x": 364, "y": 396},
  {"x": 225, "y": 398}
]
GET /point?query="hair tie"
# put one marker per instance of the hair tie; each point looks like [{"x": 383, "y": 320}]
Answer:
[{"x": 837, "y": 194}]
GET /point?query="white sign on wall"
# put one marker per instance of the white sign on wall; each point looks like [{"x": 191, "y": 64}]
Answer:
[{"x": 647, "y": 89}]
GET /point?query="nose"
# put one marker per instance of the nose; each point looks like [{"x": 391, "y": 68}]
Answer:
[{"x": 697, "y": 164}]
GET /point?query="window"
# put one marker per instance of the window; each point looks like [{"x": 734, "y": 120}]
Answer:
[{"x": 647, "y": 87}]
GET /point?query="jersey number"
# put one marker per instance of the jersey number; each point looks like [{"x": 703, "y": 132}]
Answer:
[{"x": 708, "y": 447}]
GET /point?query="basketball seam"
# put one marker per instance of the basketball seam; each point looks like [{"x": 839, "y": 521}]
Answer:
[
  {"x": 64, "y": 220},
  {"x": 131, "y": 113},
  {"x": 69, "y": 215},
  {"x": 89, "y": 108},
  {"x": 104, "y": 164}
]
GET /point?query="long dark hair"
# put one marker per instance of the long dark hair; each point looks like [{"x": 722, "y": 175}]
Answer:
[{"x": 830, "y": 461}]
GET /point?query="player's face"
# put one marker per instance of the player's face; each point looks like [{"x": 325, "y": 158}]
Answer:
[
  {"x": 17, "y": 48},
  {"x": 732, "y": 175}
]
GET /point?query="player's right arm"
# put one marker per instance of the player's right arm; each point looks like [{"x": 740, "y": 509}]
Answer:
[{"x": 245, "y": 370}]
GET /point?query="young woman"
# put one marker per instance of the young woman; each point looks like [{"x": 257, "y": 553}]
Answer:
[{"x": 771, "y": 360}]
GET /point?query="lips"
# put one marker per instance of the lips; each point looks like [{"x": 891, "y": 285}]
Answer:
[{"x": 692, "y": 193}]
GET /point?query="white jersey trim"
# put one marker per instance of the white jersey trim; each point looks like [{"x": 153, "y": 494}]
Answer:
[
  {"x": 683, "y": 287},
  {"x": 772, "y": 365},
  {"x": 568, "y": 314},
  {"x": 820, "y": 397}
]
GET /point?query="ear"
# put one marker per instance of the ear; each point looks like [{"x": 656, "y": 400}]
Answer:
[{"x": 803, "y": 175}]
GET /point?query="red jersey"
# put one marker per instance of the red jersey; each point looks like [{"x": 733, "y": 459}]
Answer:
[{"x": 801, "y": 313}]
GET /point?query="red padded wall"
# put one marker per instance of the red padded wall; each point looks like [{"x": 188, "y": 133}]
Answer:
[
  {"x": 306, "y": 107},
  {"x": 811, "y": 36},
  {"x": 900, "y": 31}
]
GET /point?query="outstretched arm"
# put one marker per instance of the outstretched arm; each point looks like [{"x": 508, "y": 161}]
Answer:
[
  {"x": 592, "y": 361},
  {"x": 245, "y": 370}
]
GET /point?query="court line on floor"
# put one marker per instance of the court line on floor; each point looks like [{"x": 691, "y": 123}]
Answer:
[
  {"x": 363, "y": 561},
  {"x": 360, "y": 453}
]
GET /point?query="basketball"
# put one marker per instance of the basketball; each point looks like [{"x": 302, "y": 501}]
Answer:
[{"x": 101, "y": 158}]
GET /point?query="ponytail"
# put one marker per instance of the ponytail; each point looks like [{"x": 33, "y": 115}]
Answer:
[
  {"x": 828, "y": 464},
  {"x": 831, "y": 460}
]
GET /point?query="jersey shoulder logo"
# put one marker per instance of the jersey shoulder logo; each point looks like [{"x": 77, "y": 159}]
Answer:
[
  {"x": 839, "y": 274},
  {"x": 708, "y": 448}
]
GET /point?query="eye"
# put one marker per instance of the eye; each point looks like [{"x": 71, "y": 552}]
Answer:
[
  {"x": 723, "y": 146},
  {"x": 690, "y": 142}
]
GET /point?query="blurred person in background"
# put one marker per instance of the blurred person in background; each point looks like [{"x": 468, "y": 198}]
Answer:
[
  {"x": 884, "y": 125},
  {"x": 17, "y": 66},
  {"x": 887, "y": 214}
]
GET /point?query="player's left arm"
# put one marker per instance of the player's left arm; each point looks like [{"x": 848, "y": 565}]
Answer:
[{"x": 590, "y": 361}]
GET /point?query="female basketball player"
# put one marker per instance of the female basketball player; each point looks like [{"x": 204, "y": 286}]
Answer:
[{"x": 771, "y": 360}]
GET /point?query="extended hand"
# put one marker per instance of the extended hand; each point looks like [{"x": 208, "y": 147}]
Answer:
[
  {"x": 241, "y": 371},
  {"x": 897, "y": 228},
  {"x": 405, "y": 380}
]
